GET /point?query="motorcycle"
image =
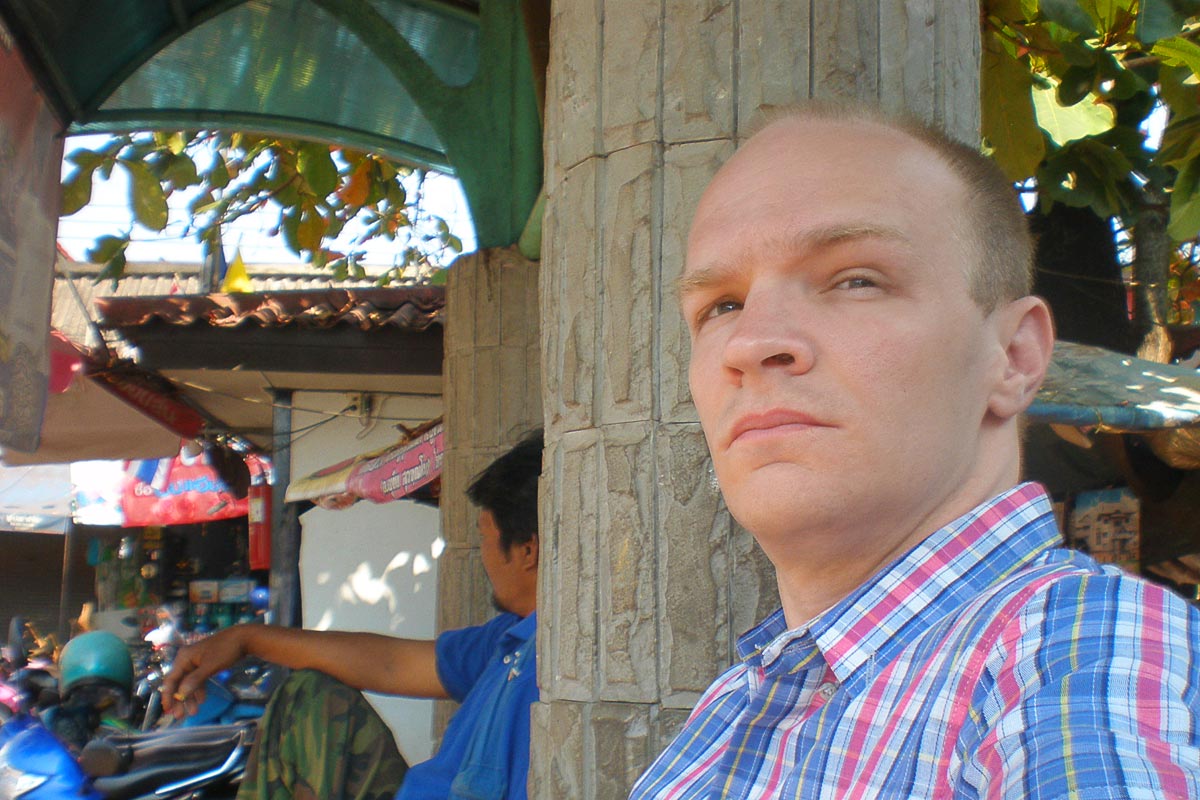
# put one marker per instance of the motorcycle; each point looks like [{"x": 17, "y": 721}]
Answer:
[{"x": 97, "y": 761}]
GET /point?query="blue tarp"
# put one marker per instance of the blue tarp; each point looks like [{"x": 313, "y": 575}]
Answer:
[{"x": 1091, "y": 387}]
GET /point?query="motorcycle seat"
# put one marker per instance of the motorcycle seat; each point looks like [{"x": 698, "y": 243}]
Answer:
[{"x": 163, "y": 757}]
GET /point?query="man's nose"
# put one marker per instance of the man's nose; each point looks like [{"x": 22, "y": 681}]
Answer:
[{"x": 769, "y": 334}]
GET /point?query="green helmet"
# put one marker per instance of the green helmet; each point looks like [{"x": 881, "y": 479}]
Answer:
[{"x": 95, "y": 657}]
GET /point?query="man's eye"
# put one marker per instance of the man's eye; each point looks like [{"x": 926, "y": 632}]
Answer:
[
  {"x": 857, "y": 282},
  {"x": 722, "y": 307}
]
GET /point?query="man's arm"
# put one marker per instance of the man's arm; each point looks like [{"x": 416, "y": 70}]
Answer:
[{"x": 362, "y": 660}]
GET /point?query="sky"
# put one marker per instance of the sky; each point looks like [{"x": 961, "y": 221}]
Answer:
[{"x": 109, "y": 213}]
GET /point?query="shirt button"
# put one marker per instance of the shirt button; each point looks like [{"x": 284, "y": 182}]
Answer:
[
  {"x": 827, "y": 690},
  {"x": 508, "y": 659}
]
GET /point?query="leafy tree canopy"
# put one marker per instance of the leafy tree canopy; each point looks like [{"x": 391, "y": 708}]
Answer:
[
  {"x": 1069, "y": 89},
  {"x": 314, "y": 189}
]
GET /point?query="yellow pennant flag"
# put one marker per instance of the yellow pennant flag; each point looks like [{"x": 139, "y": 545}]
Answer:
[{"x": 236, "y": 277}]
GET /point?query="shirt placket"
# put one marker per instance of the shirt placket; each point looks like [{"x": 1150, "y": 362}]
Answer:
[{"x": 782, "y": 697}]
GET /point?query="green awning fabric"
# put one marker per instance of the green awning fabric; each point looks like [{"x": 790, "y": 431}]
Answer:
[
  {"x": 1090, "y": 387},
  {"x": 444, "y": 84}
]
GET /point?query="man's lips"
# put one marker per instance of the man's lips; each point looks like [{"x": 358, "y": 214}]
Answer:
[{"x": 752, "y": 426}]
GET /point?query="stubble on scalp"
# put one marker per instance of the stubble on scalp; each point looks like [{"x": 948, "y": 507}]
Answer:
[{"x": 992, "y": 226}]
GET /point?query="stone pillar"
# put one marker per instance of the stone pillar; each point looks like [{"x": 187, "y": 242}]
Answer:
[
  {"x": 492, "y": 397},
  {"x": 646, "y": 582}
]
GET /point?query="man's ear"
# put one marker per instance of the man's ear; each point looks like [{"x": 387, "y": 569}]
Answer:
[
  {"x": 1026, "y": 331},
  {"x": 528, "y": 553}
]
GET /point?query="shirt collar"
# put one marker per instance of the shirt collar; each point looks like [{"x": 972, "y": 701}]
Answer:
[
  {"x": 862, "y": 632},
  {"x": 521, "y": 631}
]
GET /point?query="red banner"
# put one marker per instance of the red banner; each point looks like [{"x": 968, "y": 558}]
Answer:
[
  {"x": 177, "y": 491},
  {"x": 401, "y": 471}
]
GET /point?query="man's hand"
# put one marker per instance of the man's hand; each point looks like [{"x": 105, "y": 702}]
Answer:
[{"x": 183, "y": 687}]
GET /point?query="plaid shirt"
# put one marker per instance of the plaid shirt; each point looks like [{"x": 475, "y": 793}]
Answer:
[{"x": 987, "y": 662}]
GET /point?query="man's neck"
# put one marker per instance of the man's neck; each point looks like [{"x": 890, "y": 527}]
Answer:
[{"x": 829, "y": 565}]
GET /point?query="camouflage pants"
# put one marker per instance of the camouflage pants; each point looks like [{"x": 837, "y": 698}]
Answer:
[{"x": 321, "y": 740}]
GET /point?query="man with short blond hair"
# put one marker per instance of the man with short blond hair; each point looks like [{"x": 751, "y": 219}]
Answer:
[{"x": 863, "y": 345}]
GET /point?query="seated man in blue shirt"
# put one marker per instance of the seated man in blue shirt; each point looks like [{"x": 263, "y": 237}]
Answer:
[{"x": 321, "y": 739}]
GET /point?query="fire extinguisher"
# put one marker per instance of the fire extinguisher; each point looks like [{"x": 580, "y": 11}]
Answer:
[{"x": 259, "y": 523}]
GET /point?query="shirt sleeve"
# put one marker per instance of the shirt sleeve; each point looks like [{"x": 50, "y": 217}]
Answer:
[
  {"x": 464, "y": 653},
  {"x": 1094, "y": 693}
]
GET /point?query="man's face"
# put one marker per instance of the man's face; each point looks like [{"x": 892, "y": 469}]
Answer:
[
  {"x": 498, "y": 563},
  {"x": 839, "y": 367}
]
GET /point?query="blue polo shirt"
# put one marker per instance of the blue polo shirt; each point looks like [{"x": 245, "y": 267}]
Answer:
[{"x": 484, "y": 755}]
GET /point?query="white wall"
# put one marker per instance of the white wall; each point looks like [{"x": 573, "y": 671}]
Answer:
[{"x": 369, "y": 567}]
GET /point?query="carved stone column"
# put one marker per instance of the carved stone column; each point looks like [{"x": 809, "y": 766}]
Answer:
[
  {"x": 492, "y": 396},
  {"x": 646, "y": 582}
]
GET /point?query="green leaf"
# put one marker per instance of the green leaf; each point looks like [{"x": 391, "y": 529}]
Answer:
[
  {"x": 289, "y": 226},
  {"x": 1181, "y": 142},
  {"x": 77, "y": 191},
  {"x": 176, "y": 142},
  {"x": 1185, "y": 204},
  {"x": 146, "y": 196},
  {"x": 218, "y": 174},
  {"x": 1160, "y": 19},
  {"x": 1009, "y": 125},
  {"x": 1177, "y": 89},
  {"x": 1076, "y": 84},
  {"x": 114, "y": 268},
  {"x": 1178, "y": 52},
  {"x": 316, "y": 165},
  {"x": 1068, "y": 14},
  {"x": 1066, "y": 124},
  {"x": 105, "y": 248},
  {"x": 85, "y": 159},
  {"x": 180, "y": 172},
  {"x": 311, "y": 230},
  {"x": 1078, "y": 53}
]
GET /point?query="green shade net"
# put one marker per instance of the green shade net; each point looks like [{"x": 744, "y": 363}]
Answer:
[{"x": 444, "y": 84}]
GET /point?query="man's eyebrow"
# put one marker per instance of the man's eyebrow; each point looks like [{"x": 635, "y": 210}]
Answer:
[{"x": 812, "y": 240}]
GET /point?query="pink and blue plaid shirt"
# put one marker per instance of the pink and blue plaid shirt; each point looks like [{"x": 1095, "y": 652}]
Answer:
[{"x": 988, "y": 662}]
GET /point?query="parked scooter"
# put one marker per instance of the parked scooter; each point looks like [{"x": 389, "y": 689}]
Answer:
[{"x": 175, "y": 762}]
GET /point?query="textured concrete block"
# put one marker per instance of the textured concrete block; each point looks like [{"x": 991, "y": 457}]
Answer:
[
  {"x": 457, "y": 524},
  {"x": 698, "y": 96},
  {"x": 908, "y": 73},
  {"x": 572, "y": 111},
  {"x": 573, "y": 329},
  {"x": 627, "y": 272},
  {"x": 620, "y": 747},
  {"x": 693, "y": 567},
  {"x": 485, "y": 295},
  {"x": 464, "y": 594},
  {"x": 557, "y": 767},
  {"x": 518, "y": 318},
  {"x": 845, "y": 49},
  {"x": 666, "y": 726},
  {"x": 629, "y": 74},
  {"x": 687, "y": 169},
  {"x": 627, "y": 568},
  {"x": 549, "y": 303},
  {"x": 569, "y": 553},
  {"x": 774, "y": 45},
  {"x": 958, "y": 51},
  {"x": 754, "y": 593},
  {"x": 519, "y": 394},
  {"x": 485, "y": 408}
]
